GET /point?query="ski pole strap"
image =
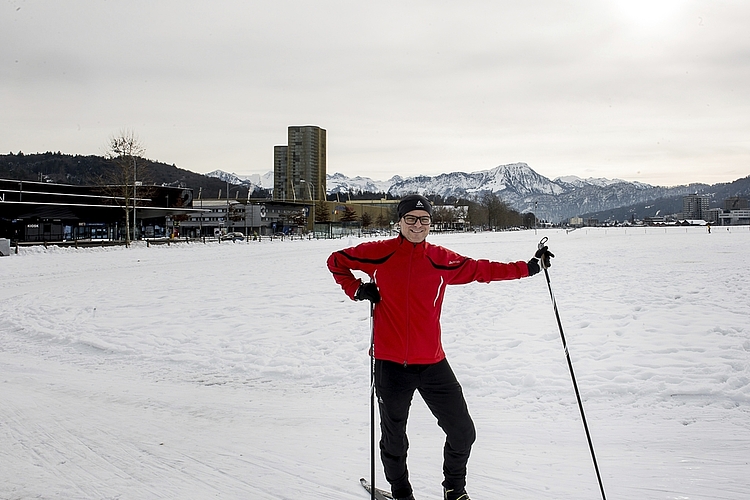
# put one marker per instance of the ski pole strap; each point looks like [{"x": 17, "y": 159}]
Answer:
[{"x": 542, "y": 260}]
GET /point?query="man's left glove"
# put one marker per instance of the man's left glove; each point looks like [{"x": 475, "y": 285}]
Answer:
[{"x": 368, "y": 291}]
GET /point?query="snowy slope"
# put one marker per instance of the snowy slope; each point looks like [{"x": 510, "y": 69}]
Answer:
[
  {"x": 575, "y": 181},
  {"x": 241, "y": 371},
  {"x": 340, "y": 183},
  {"x": 517, "y": 178},
  {"x": 264, "y": 181}
]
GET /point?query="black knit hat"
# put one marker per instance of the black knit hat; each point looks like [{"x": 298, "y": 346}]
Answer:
[{"x": 413, "y": 202}]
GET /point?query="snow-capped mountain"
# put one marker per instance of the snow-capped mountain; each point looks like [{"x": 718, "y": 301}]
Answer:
[
  {"x": 516, "y": 184},
  {"x": 516, "y": 178},
  {"x": 575, "y": 181},
  {"x": 264, "y": 181},
  {"x": 340, "y": 183},
  {"x": 522, "y": 188}
]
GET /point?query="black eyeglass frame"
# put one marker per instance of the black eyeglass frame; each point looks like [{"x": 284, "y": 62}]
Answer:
[{"x": 425, "y": 220}]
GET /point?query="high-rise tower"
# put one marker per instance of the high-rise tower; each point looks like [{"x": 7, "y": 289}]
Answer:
[
  {"x": 694, "y": 206},
  {"x": 303, "y": 176},
  {"x": 280, "y": 172}
]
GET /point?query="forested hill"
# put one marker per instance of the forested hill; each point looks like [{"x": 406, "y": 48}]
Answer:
[{"x": 91, "y": 170}]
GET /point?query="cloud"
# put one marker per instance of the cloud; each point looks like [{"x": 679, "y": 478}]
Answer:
[{"x": 402, "y": 87}]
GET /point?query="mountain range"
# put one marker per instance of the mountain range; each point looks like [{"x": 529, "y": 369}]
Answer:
[
  {"x": 516, "y": 184},
  {"x": 525, "y": 190}
]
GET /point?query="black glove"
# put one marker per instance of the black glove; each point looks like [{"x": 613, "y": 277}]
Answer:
[
  {"x": 544, "y": 255},
  {"x": 368, "y": 291},
  {"x": 533, "y": 265}
]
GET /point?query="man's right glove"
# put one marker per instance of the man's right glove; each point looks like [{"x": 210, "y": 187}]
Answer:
[{"x": 368, "y": 291}]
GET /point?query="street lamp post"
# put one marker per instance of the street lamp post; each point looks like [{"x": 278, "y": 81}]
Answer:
[
  {"x": 200, "y": 192},
  {"x": 135, "y": 183},
  {"x": 246, "y": 207},
  {"x": 309, "y": 192},
  {"x": 312, "y": 203}
]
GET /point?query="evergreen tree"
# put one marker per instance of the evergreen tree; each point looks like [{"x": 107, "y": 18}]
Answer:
[
  {"x": 321, "y": 212},
  {"x": 366, "y": 219},
  {"x": 350, "y": 215}
]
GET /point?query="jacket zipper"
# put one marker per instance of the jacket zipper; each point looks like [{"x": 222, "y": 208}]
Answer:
[{"x": 408, "y": 305}]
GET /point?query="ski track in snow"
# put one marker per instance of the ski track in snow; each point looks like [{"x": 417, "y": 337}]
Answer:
[{"x": 241, "y": 371}]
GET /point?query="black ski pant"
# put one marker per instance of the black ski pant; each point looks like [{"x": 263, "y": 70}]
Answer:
[{"x": 395, "y": 385}]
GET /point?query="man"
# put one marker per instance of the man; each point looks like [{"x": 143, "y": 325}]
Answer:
[{"x": 408, "y": 281}]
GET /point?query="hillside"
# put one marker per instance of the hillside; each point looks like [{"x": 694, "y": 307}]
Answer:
[
  {"x": 90, "y": 170},
  {"x": 669, "y": 205}
]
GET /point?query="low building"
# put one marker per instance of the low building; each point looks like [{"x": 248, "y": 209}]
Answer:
[
  {"x": 215, "y": 217},
  {"x": 655, "y": 220},
  {"x": 50, "y": 212},
  {"x": 576, "y": 222},
  {"x": 735, "y": 218},
  {"x": 712, "y": 215}
]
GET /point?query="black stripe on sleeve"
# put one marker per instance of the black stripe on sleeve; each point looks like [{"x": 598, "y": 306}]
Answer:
[
  {"x": 447, "y": 268},
  {"x": 367, "y": 261}
]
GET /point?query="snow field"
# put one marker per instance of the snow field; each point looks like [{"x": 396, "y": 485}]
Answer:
[{"x": 241, "y": 370}]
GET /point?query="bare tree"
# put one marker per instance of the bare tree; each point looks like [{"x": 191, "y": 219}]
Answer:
[
  {"x": 443, "y": 217},
  {"x": 125, "y": 149},
  {"x": 499, "y": 214}
]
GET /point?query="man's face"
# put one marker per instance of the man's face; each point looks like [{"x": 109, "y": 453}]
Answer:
[{"x": 416, "y": 232}]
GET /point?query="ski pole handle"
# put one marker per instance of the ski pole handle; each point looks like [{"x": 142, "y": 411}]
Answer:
[{"x": 542, "y": 242}]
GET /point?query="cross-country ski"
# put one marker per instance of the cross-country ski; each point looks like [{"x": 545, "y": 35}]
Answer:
[{"x": 379, "y": 494}]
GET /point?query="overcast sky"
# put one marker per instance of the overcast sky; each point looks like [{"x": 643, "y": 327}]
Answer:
[{"x": 656, "y": 91}]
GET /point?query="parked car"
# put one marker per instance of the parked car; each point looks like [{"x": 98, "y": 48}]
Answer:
[{"x": 235, "y": 236}]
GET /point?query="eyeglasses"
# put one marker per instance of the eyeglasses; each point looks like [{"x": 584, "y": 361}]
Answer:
[{"x": 426, "y": 220}]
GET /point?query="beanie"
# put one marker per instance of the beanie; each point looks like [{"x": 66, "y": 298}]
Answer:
[{"x": 413, "y": 202}]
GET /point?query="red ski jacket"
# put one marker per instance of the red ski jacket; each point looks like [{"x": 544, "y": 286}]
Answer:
[{"x": 412, "y": 279}]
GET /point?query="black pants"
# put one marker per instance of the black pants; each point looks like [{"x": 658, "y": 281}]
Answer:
[{"x": 395, "y": 385}]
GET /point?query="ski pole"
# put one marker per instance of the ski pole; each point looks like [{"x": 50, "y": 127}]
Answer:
[
  {"x": 372, "y": 402},
  {"x": 572, "y": 374}
]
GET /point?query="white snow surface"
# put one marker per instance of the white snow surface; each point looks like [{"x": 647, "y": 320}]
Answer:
[{"x": 241, "y": 371}]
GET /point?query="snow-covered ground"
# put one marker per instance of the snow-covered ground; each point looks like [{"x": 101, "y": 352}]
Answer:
[{"x": 241, "y": 371}]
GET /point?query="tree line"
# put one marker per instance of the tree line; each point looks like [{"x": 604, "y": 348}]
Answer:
[
  {"x": 90, "y": 170},
  {"x": 487, "y": 211}
]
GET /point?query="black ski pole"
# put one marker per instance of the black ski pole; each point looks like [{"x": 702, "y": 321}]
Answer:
[
  {"x": 572, "y": 374},
  {"x": 372, "y": 402}
]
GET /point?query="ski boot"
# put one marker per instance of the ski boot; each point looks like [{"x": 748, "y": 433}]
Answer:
[{"x": 455, "y": 494}]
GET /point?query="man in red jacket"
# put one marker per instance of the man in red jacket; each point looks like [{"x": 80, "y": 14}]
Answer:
[{"x": 408, "y": 280}]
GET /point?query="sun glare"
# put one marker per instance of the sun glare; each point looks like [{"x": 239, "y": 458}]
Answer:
[{"x": 647, "y": 13}]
